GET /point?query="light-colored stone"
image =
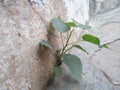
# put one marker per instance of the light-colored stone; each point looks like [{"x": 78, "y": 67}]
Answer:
[
  {"x": 104, "y": 19},
  {"x": 77, "y": 10},
  {"x": 23, "y": 23},
  {"x": 109, "y": 63}
]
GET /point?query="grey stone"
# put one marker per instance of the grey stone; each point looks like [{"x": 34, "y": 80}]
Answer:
[
  {"x": 23, "y": 23},
  {"x": 102, "y": 6}
]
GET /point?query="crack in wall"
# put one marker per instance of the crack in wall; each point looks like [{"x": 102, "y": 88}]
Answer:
[
  {"x": 102, "y": 6},
  {"x": 114, "y": 83},
  {"x": 96, "y": 51},
  {"x": 40, "y": 18},
  {"x": 30, "y": 2},
  {"x": 2, "y": 1},
  {"x": 13, "y": 3},
  {"x": 110, "y": 80},
  {"x": 38, "y": 2}
]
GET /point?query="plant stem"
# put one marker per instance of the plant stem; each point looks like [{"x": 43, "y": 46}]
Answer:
[
  {"x": 61, "y": 39},
  {"x": 73, "y": 43},
  {"x": 67, "y": 34},
  {"x": 66, "y": 43},
  {"x": 68, "y": 48},
  {"x": 59, "y": 57},
  {"x": 78, "y": 40}
]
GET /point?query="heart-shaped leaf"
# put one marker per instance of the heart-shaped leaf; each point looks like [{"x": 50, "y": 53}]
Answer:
[
  {"x": 59, "y": 25},
  {"x": 74, "y": 64},
  {"x": 71, "y": 24},
  {"x": 85, "y": 27},
  {"x": 45, "y": 43},
  {"x": 79, "y": 25},
  {"x": 91, "y": 39},
  {"x": 81, "y": 48}
]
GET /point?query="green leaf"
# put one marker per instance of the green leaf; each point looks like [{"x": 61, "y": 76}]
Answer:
[
  {"x": 57, "y": 70},
  {"x": 79, "y": 25},
  {"x": 71, "y": 24},
  {"x": 81, "y": 48},
  {"x": 59, "y": 25},
  {"x": 45, "y": 43},
  {"x": 60, "y": 19},
  {"x": 74, "y": 64},
  {"x": 91, "y": 39},
  {"x": 85, "y": 27}
]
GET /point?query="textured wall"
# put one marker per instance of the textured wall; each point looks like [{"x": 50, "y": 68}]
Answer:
[
  {"x": 102, "y": 66},
  {"x": 23, "y": 23}
]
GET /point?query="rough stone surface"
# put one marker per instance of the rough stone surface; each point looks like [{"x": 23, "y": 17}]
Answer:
[
  {"x": 23, "y": 23},
  {"x": 105, "y": 22},
  {"x": 24, "y": 66}
]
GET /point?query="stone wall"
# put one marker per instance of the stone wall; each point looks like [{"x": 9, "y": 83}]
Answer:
[{"x": 23, "y": 23}]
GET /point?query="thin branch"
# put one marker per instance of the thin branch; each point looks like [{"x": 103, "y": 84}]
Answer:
[
  {"x": 61, "y": 36},
  {"x": 73, "y": 43},
  {"x": 78, "y": 40},
  {"x": 67, "y": 34},
  {"x": 67, "y": 42},
  {"x": 68, "y": 48}
]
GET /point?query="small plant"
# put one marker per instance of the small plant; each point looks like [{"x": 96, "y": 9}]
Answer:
[{"x": 73, "y": 62}]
